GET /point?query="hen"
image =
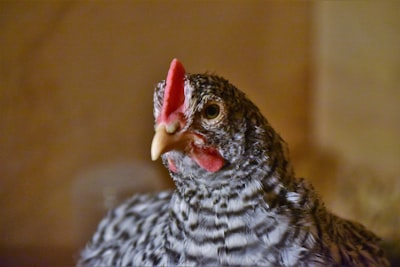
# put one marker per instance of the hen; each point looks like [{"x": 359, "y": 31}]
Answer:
[{"x": 237, "y": 201}]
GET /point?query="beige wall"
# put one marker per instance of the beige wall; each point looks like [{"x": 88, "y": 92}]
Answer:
[
  {"x": 358, "y": 80},
  {"x": 76, "y": 87},
  {"x": 356, "y": 116}
]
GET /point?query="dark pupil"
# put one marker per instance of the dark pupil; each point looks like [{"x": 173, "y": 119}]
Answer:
[{"x": 212, "y": 111}]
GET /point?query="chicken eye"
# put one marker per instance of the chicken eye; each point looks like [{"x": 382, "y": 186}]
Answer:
[{"x": 211, "y": 111}]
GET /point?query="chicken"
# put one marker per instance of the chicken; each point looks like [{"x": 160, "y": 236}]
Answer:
[{"x": 237, "y": 200}]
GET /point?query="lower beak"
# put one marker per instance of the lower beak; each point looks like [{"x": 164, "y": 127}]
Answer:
[{"x": 164, "y": 141}]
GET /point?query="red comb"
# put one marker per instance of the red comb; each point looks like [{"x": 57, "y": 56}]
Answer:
[{"x": 174, "y": 96}]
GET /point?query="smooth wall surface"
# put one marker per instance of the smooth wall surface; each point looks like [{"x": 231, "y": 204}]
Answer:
[{"x": 356, "y": 114}]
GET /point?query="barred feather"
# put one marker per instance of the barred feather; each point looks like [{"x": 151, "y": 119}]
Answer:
[{"x": 251, "y": 212}]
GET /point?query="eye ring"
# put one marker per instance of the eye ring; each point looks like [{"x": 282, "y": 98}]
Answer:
[{"x": 211, "y": 111}]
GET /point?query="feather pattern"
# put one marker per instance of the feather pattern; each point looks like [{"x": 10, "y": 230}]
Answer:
[{"x": 252, "y": 211}]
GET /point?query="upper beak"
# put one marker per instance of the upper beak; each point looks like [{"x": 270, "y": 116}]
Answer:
[{"x": 163, "y": 141}]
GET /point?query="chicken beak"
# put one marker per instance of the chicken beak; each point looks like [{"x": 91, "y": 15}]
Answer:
[{"x": 165, "y": 140}]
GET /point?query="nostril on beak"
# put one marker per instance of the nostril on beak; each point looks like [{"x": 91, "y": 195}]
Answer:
[{"x": 172, "y": 128}]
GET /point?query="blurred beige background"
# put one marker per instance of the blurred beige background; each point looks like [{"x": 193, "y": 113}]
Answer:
[{"x": 76, "y": 84}]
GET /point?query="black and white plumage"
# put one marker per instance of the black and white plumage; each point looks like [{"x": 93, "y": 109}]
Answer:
[{"x": 237, "y": 201}]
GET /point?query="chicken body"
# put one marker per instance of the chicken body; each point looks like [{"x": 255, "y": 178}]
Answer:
[{"x": 237, "y": 200}]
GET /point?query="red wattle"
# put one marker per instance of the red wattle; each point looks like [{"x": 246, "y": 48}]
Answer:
[
  {"x": 208, "y": 158},
  {"x": 172, "y": 166}
]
